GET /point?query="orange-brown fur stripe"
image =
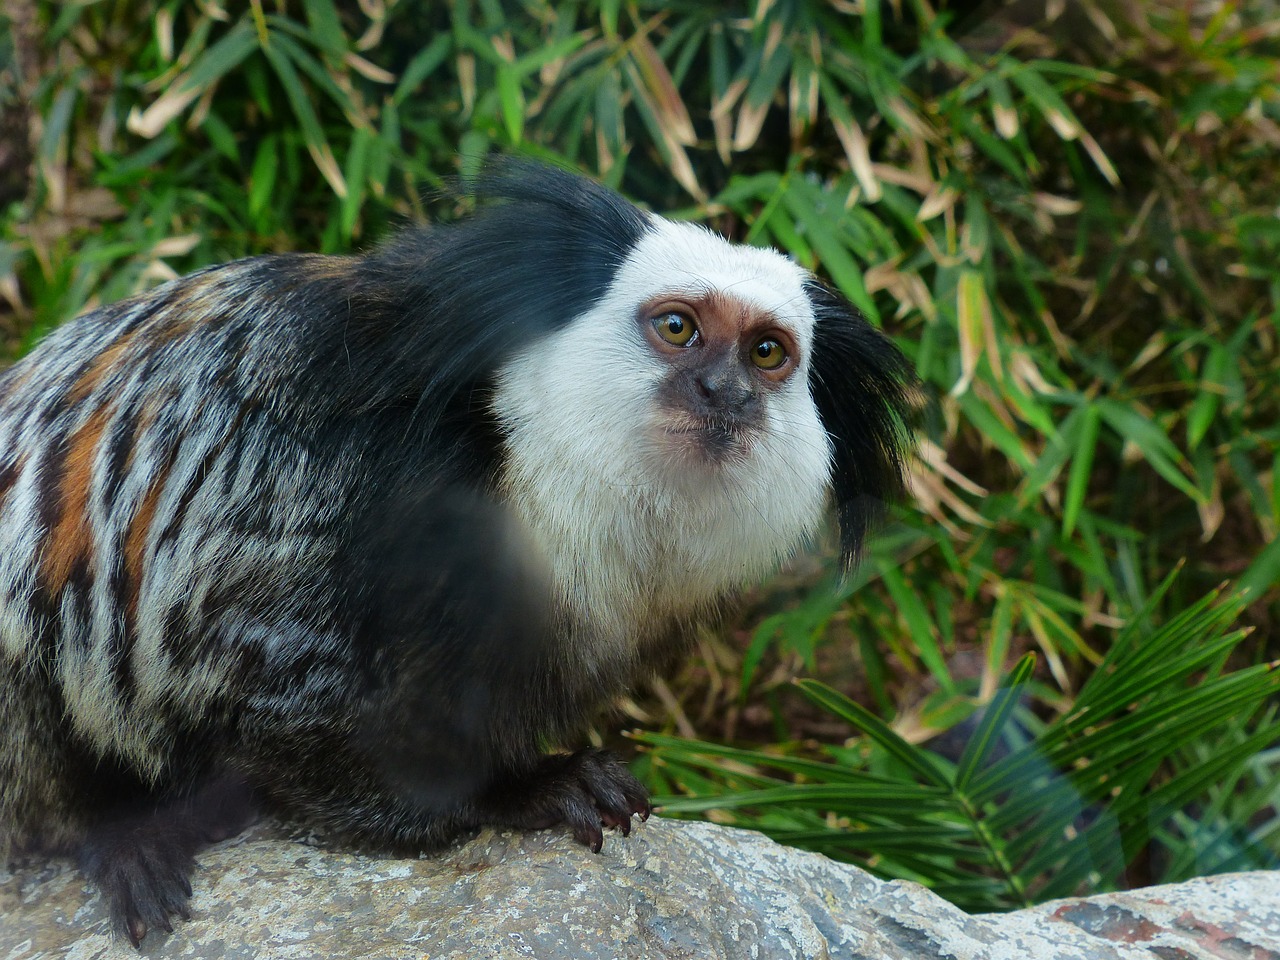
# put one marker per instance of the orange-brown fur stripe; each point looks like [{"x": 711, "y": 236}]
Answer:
[
  {"x": 71, "y": 540},
  {"x": 97, "y": 370},
  {"x": 136, "y": 541}
]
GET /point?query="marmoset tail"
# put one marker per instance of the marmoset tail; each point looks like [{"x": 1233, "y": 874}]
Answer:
[{"x": 355, "y": 538}]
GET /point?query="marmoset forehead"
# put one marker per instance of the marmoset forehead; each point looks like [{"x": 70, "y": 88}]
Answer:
[{"x": 683, "y": 259}]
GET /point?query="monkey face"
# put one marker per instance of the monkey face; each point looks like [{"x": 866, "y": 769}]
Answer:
[
  {"x": 692, "y": 368},
  {"x": 725, "y": 359},
  {"x": 671, "y": 427}
]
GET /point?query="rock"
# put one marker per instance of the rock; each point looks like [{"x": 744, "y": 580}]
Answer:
[{"x": 672, "y": 890}]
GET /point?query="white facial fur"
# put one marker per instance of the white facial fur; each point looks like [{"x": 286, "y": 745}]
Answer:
[{"x": 633, "y": 530}]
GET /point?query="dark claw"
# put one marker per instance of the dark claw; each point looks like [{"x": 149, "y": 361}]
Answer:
[{"x": 586, "y": 791}]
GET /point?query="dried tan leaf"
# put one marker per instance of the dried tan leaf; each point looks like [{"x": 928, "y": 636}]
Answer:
[
  {"x": 1006, "y": 120},
  {"x": 802, "y": 103},
  {"x": 216, "y": 11},
  {"x": 972, "y": 312},
  {"x": 858, "y": 152},
  {"x": 148, "y": 123},
  {"x": 722, "y": 129},
  {"x": 1063, "y": 125},
  {"x": 324, "y": 159},
  {"x": 936, "y": 457},
  {"x": 164, "y": 33},
  {"x": 370, "y": 70},
  {"x": 94, "y": 203},
  {"x": 930, "y": 493},
  {"x": 1055, "y": 205},
  {"x": 939, "y": 200},
  {"x": 154, "y": 273},
  {"x": 673, "y": 150},
  {"x": 376, "y": 11},
  {"x": 919, "y": 182},
  {"x": 1099, "y": 158},
  {"x": 604, "y": 156},
  {"x": 682, "y": 170},
  {"x": 662, "y": 89},
  {"x": 202, "y": 108},
  {"x": 900, "y": 109},
  {"x": 1156, "y": 344},
  {"x": 467, "y": 81},
  {"x": 1026, "y": 374},
  {"x": 725, "y": 102},
  {"x": 505, "y": 48},
  {"x": 176, "y": 246},
  {"x": 750, "y": 123},
  {"x": 1212, "y": 511},
  {"x": 882, "y": 276}
]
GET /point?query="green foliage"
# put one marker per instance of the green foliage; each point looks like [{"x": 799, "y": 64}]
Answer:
[
  {"x": 1031, "y": 809},
  {"x": 1069, "y": 225}
]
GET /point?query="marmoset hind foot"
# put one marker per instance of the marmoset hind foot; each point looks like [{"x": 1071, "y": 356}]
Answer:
[
  {"x": 142, "y": 859},
  {"x": 583, "y": 791}
]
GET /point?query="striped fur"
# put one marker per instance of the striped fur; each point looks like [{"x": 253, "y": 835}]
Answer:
[{"x": 365, "y": 533}]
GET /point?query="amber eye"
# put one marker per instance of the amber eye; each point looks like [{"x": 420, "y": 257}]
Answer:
[
  {"x": 675, "y": 328},
  {"x": 768, "y": 354}
]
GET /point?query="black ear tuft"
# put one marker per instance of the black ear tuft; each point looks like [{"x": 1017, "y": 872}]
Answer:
[
  {"x": 583, "y": 229},
  {"x": 439, "y": 309},
  {"x": 861, "y": 384}
]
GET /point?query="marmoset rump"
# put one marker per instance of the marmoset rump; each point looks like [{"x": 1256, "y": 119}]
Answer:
[{"x": 357, "y": 538}]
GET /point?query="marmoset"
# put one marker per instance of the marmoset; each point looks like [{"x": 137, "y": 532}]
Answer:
[{"x": 358, "y": 538}]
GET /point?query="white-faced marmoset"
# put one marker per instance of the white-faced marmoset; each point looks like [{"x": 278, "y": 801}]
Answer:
[{"x": 357, "y": 538}]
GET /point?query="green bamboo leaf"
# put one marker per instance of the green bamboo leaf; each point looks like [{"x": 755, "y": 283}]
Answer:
[
  {"x": 988, "y": 732},
  {"x": 913, "y": 758},
  {"x": 326, "y": 27},
  {"x": 220, "y": 59},
  {"x": 312, "y": 132},
  {"x": 609, "y": 17},
  {"x": 221, "y": 137},
  {"x": 1205, "y": 406},
  {"x": 1263, "y": 572},
  {"x": 262, "y": 175},
  {"x": 1202, "y": 777},
  {"x": 423, "y": 64},
  {"x": 511, "y": 99},
  {"x": 696, "y": 751},
  {"x": 56, "y": 126},
  {"x": 536, "y": 59},
  {"x": 994, "y": 430},
  {"x": 1058, "y": 448},
  {"x": 357, "y": 163},
  {"x": 1086, "y": 444},
  {"x": 997, "y": 647},
  {"x": 924, "y": 632},
  {"x": 856, "y": 800},
  {"x": 821, "y": 231},
  {"x": 1152, "y": 442},
  {"x": 318, "y": 75}
]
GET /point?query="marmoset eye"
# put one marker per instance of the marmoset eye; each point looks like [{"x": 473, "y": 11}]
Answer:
[
  {"x": 675, "y": 328},
  {"x": 768, "y": 354}
]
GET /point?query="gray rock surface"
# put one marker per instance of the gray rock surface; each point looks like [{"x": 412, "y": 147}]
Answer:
[{"x": 672, "y": 890}]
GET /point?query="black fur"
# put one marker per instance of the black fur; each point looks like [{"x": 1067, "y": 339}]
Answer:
[{"x": 861, "y": 384}]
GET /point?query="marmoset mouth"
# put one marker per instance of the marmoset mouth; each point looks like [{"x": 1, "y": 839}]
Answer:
[{"x": 714, "y": 441}]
